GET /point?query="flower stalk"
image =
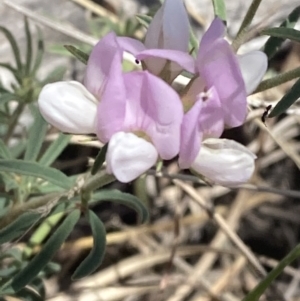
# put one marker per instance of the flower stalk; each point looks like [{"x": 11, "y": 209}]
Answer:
[
  {"x": 32, "y": 205},
  {"x": 278, "y": 80},
  {"x": 245, "y": 23},
  {"x": 94, "y": 182}
]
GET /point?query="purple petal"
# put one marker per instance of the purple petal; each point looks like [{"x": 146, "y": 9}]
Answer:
[
  {"x": 220, "y": 69},
  {"x": 112, "y": 106},
  {"x": 153, "y": 38},
  {"x": 215, "y": 31},
  {"x": 105, "y": 55},
  {"x": 191, "y": 136},
  {"x": 164, "y": 33},
  {"x": 155, "y": 108},
  {"x": 211, "y": 119},
  {"x": 183, "y": 60},
  {"x": 130, "y": 45},
  {"x": 154, "y": 65}
]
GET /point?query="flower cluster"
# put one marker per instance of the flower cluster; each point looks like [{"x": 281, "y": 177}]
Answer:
[{"x": 141, "y": 116}]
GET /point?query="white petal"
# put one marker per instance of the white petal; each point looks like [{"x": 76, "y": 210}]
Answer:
[
  {"x": 69, "y": 106},
  {"x": 253, "y": 66},
  {"x": 128, "y": 156},
  {"x": 225, "y": 162}
]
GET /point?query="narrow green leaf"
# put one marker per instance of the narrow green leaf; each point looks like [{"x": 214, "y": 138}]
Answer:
[
  {"x": 95, "y": 257},
  {"x": 47, "y": 252},
  {"x": 9, "y": 67},
  {"x": 4, "y": 151},
  {"x": 287, "y": 100},
  {"x": 256, "y": 293},
  {"x": 80, "y": 55},
  {"x": 28, "y": 47},
  {"x": 15, "y": 253},
  {"x": 55, "y": 149},
  {"x": 36, "y": 170},
  {"x": 14, "y": 46},
  {"x": 6, "y": 97},
  {"x": 18, "y": 227},
  {"x": 18, "y": 149},
  {"x": 274, "y": 43},
  {"x": 4, "y": 118},
  {"x": 282, "y": 32},
  {"x": 52, "y": 268},
  {"x": 8, "y": 272},
  {"x": 124, "y": 199},
  {"x": 36, "y": 137},
  {"x": 46, "y": 188},
  {"x": 2, "y": 89},
  {"x": 10, "y": 183},
  {"x": 39, "y": 53},
  {"x": 219, "y": 9},
  {"x": 99, "y": 159},
  {"x": 144, "y": 20}
]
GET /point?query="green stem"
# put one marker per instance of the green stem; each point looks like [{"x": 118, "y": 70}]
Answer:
[
  {"x": 246, "y": 22},
  {"x": 278, "y": 80},
  {"x": 93, "y": 183},
  {"x": 89, "y": 186},
  {"x": 33, "y": 204}
]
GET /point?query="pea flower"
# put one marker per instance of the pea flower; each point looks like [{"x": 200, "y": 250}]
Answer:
[
  {"x": 217, "y": 97},
  {"x": 124, "y": 110},
  {"x": 165, "y": 50}
]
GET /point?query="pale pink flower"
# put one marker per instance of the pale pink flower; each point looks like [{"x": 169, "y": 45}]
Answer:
[
  {"x": 137, "y": 113},
  {"x": 218, "y": 97}
]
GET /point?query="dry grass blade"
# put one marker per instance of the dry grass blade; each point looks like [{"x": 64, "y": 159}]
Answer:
[
  {"x": 136, "y": 263},
  {"x": 284, "y": 145},
  {"x": 226, "y": 279},
  {"x": 61, "y": 27},
  {"x": 64, "y": 28},
  {"x": 97, "y": 9},
  {"x": 128, "y": 234},
  {"x": 225, "y": 227},
  {"x": 102, "y": 12},
  {"x": 105, "y": 294}
]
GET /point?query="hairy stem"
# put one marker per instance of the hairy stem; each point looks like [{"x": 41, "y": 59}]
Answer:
[
  {"x": 31, "y": 205},
  {"x": 93, "y": 183},
  {"x": 246, "y": 22},
  {"x": 278, "y": 80}
]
